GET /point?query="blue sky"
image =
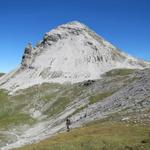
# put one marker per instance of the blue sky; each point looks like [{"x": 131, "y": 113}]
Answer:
[{"x": 125, "y": 23}]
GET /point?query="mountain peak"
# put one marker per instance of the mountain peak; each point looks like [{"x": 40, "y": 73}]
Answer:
[
  {"x": 74, "y": 24},
  {"x": 69, "y": 53},
  {"x": 66, "y": 29}
]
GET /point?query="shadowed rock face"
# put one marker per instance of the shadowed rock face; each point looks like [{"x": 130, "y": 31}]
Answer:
[{"x": 26, "y": 58}]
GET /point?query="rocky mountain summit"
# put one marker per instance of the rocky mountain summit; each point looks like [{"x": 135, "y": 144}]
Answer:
[{"x": 70, "y": 53}]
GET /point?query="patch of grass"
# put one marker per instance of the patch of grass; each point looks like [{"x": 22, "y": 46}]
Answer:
[
  {"x": 3, "y": 95},
  {"x": 78, "y": 110},
  {"x": 10, "y": 114},
  {"x": 39, "y": 90},
  {"x": 73, "y": 91},
  {"x": 58, "y": 106},
  {"x": 119, "y": 72},
  {"x": 11, "y": 120},
  {"x": 50, "y": 97},
  {"x": 5, "y": 104},
  {"x": 100, "y": 96},
  {"x": 12, "y": 107},
  {"x": 98, "y": 136},
  {"x": 61, "y": 99}
]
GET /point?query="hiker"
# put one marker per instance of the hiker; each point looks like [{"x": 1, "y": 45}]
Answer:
[{"x": 68, "y": 124}]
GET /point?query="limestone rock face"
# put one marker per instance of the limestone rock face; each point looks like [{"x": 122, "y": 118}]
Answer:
[{"x": 70, "y": 53}]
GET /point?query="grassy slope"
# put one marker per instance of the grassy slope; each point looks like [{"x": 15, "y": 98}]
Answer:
[
  {"x": 12, "y": 108},
  {"x": 119, "y": 72},
  {"x": 10, "y": 114},
  {"x": 100, "y": 96},
  {"x": 107, "y": 135},
  {"x": 98, "y": 136},
  {"x": 95, "y": 136}
]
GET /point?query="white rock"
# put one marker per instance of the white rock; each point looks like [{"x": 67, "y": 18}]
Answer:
[{"x": 70, "y": 53}]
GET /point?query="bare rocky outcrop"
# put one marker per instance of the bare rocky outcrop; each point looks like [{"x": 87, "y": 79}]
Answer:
[{"x": 27, "y": 57}]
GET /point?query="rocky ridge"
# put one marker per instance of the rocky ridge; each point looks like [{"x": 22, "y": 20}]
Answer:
[{"x": 70, "y": 53}]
